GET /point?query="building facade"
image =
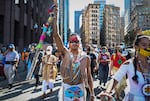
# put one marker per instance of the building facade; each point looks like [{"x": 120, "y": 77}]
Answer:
[
  {"x": 111, "y": 26},
  {"x": 83, "y": 28},
  {"x": 92, "y": 24},
  {"x": 102, "y": 6},
  {"x": 64, "y": 20},
  {"x": 122, "y": 23},
  {"x": 127, "y": 14},
  {"x": 140, "y": 16},
  {"x": 18, "y": 19}
]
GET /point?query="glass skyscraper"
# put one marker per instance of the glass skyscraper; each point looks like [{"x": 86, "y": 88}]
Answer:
[
  {"x": 102, "y": 6},
  {"x": 64, "y": 20},
  {"x": 77, "y": 21},
  {"x": 127, "y": 7}
]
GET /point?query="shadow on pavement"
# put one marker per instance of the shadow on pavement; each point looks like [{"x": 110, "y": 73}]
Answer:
[
  {"x": 53, "y": 96},
  {"x": 15, "y": 91},
  {"x": 57, "y": 84}
]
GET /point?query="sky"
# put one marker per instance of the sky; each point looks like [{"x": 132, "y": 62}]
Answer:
[{"x": 81, "y": 4}]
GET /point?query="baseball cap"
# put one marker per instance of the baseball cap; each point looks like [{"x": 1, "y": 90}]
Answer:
[{"x": 11, "y": 46}]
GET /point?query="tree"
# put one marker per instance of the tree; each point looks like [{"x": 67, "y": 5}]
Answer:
[{"x": 129, "y": 37}]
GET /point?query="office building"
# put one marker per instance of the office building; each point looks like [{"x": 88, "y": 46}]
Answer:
[
  {"x": 111, "y": 33},
  {"x": 21, "y": 21}
]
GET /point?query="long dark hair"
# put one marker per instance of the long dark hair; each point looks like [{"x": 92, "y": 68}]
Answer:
[
  {"x": 136, "y": 43},
  {"x": 135, "y": 77}
]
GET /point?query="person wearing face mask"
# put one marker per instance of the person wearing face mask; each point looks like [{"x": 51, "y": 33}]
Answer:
[
  {"x": 11, "y": 62},
  {"x": 103, "y": 59},
  {"x": 91, "y": 53},
  {"x": 137, "y": 70},
  {"x": 117, "y": 59},
  {"x": 49, "y": 70}
]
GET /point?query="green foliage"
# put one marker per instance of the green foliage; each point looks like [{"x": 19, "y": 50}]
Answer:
[{"x": 129, "y": 38}]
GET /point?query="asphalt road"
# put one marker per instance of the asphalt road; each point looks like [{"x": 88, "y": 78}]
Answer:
[{"x": 25, "y": 90}]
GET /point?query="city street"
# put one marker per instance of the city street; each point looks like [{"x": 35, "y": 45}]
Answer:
[
  {"x": 25, "y": 90},
  {"x": 115, "y": 34}
]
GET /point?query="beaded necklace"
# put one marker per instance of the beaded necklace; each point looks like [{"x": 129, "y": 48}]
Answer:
[
  {"x": 146, "y": 76},
  {"x": 74, "y": 75}
]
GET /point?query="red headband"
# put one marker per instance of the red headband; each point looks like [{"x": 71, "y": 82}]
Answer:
[{"x": 73, "y": 38}]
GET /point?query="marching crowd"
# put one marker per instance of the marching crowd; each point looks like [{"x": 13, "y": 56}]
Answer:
[{"x": 116, "y": 69}]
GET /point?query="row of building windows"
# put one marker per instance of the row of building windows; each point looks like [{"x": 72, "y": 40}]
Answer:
[
  {"x": 144, "y": 9},
  {"x": 94, "y": 20},
  {"x": 94, "y": 15},
  {"x": 94, "y": 11},
  {"x": 144, "y": 13},
  {"x": 94, "y": 24},
  {"x": 95, "y": 6},
  {"x": 94, "y": 28}
]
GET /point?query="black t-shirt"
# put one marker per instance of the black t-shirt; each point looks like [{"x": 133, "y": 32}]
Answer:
[
  {"x": 93, "y": 59},
  {"x": 31, "y": 55}
]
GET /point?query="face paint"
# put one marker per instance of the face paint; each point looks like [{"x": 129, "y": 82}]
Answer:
[
  {"x": 74, "y": 39},
  {"x": 144, "y": 52}
]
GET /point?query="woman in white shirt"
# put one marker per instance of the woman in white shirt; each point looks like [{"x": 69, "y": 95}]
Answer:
[{"x": 138, "y": 73}]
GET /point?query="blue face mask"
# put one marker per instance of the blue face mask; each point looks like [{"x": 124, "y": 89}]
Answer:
[{"x": 103, "y": 50}]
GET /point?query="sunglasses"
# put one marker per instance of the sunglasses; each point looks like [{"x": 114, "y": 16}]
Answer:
[{"x": 74, "y": 41}]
